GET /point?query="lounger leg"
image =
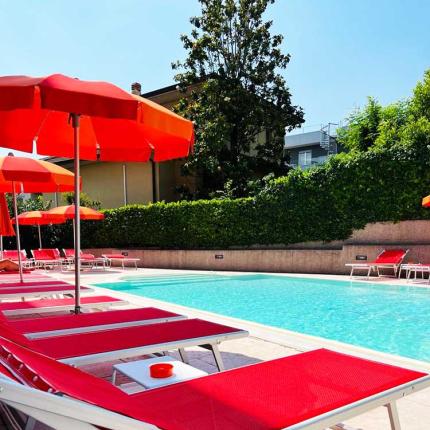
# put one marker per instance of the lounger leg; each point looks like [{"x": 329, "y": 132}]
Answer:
[
  {"x": 393, "y": 415},
  {"x": 217, "y": 357},
  {"x": 183, "y": 355},
  {"x": 31, "y": 422}
]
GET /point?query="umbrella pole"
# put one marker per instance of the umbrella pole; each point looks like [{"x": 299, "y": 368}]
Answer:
[
  {"x": 18, "y": 240},
  {"x": 77, "y": 233},
  {"x": 74, "y": 229},
  {"x": 40, "y": 236},
  {"x": 1, "y": 246}
]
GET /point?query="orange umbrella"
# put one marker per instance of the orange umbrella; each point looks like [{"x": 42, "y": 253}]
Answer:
[
  {"x": 6, "y": 228},
  {"x": 426, "y": 201},
  {"x": 87, "y": 120},
  {"x": 38, "y": 218},
  {"x": 114, "y": 125},
  {"x": 68, "y": 212},
  {"x": 32, "y": 175}
]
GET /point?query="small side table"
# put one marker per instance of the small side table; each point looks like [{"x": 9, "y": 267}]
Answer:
[{"x": 138, "y": 371}]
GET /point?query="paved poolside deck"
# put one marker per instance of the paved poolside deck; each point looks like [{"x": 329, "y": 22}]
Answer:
[{"x": 267, "y": 343}]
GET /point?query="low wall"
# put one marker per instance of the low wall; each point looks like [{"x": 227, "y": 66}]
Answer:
[{"x": 325, "y": 258}]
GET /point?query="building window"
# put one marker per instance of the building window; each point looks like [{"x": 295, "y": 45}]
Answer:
[{"x": 305, "y": 158}]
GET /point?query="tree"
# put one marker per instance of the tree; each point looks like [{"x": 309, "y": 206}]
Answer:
[
  {"x": 236, "y": 96},
  {"x": 363, "y": 127},
  {"x": 406, "y": 122},
  {"x": 84, "y": 200},
  {"x": 34, "y": 203}
]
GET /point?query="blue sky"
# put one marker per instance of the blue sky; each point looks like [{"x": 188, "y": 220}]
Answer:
[{"x": 342, "y": 51}]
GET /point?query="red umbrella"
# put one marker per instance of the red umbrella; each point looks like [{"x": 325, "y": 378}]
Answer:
[
  {"x": 35, "y": 175},
  {"x": 69, "y": 212},
  {"x": 6, "y": 228},
  {"x": 38, "y": 218},
  {"x": 89, "y": 120}
]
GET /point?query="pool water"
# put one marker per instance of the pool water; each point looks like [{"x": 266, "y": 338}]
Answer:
[{"x": 387, "y": 318}]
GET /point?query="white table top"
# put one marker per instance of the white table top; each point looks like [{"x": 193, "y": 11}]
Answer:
[{"x": 138, "y": 371}]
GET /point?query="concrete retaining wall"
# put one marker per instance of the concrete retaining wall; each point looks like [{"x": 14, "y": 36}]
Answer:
[{"x": 328, "y": 258}]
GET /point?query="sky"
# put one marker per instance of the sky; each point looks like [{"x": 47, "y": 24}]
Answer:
[{"x": 341, "y": 51}]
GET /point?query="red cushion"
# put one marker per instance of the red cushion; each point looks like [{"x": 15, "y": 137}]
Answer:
[
  {"x": 33, "y": 325},
  {"x": 391, "y": 256},
  {"x": 269, "y": 395},
  {"x": 32, "y": 284},
  {"x": 87, "y": 257},
  {"x": 74, "y": 345},
  {"x": 49, "y": 289},
  {"x": 43, "y": 303}
]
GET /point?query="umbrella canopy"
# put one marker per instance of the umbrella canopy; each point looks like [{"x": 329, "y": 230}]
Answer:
[
  {"x": 87, "y": 120},
  {"x": 38, "y": 218},
  {"x": 31, "y": 174},
  {"x": 426, "y": 202},
  {"x": 68, "y": 212},
  {"x": 6, "y": 228},
  {"x": 114, "y": 125}
]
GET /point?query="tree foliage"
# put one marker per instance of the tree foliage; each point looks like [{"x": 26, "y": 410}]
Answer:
[
  {"x": 84, "y": 200},
  {"x": 24, "y": 204},
  {"x": 237, "y": 97},
  {"x": 406, "y": 122}
]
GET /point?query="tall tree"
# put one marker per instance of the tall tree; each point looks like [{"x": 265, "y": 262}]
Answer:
[{"x": 236, "y": 95}]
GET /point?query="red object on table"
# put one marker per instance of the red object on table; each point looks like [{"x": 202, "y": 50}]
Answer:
[{"x": 161, "y": 370}]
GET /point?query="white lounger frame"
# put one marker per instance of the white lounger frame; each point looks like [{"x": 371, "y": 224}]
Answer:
[
  {"x": 63, "y": 413},
  {"x": 376, "y": 266},
  {"x": 209, "y": 342},
  {"x": 124, "y": 260},
  {"x": 87, "y": 329},
  {"x": 64, "y": 308}
]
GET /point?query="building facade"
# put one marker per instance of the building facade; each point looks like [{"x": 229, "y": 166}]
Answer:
[{"x": 306, "y": 149}]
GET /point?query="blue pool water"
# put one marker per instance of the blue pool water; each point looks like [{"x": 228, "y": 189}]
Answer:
[{"x": 393, "y": 319}]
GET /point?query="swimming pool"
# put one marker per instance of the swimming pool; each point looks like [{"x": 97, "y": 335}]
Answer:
[{"x": 387, "y": 318}]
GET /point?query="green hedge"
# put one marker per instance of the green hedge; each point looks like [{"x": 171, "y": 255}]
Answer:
[{"x": 322, "y": 204}]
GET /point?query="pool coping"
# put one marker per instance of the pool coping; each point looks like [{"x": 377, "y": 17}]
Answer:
[{"x": 284, "y": 337}]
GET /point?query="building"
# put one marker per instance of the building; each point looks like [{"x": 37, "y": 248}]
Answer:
[
  {"x": 119, "y": 184},
  {"x": 309, "y": 148}
]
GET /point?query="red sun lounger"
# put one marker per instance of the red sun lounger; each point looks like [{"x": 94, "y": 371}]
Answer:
[
  {"x": 13, "y": 255},
  {"x": 84, "y": 323},
  {"x": 307, "y": 391},
  {"x": 119, "y": 258},
  {"x": 58, "y": 305},
  {"x": 37, "y": 283},
  {"x": 36, "y": 291},
  {"x": 108, "y": 345},
  {"x": 387, "y": 259},
  {"x": 47, "y": 257}
]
